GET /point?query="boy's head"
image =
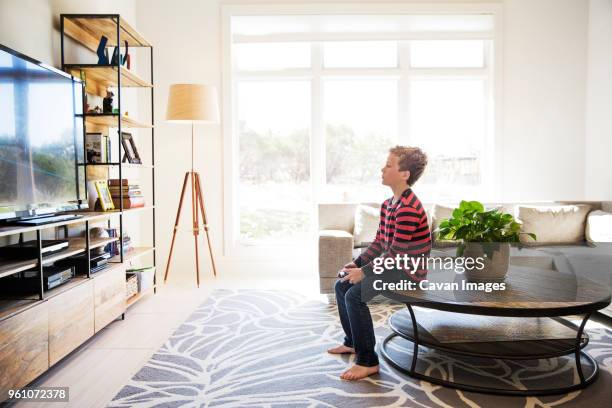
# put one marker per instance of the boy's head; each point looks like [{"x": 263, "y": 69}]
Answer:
[{"x": 404, "y": 165}]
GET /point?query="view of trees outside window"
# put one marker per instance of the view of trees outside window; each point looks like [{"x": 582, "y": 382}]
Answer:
[
  {"x": 274, "y": 161},
  {"x": 360, "y": 126},
  {"x": 447, "y": 120},
  {"x": 362, "y": 101}
]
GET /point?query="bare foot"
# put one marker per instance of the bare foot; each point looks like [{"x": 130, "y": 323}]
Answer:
[
  {"x": 342, "y": 349},
  {"x": 358, "y": 372}
]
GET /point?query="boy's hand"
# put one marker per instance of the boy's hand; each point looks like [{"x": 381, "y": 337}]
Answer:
[
  {"x": 353, "y": 275},
  {"x": 350, "y": 265}
]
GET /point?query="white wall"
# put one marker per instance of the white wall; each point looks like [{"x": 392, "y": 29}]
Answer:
[
  {"x": 598, "y": 163},
  {"x": 32, "y": 26},
  {"x": 544, "y": 92}
]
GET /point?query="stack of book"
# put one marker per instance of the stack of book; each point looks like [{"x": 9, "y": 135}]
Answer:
[
  {"x": 132, "y": 194},
  {"x": 113, "y": 247}
]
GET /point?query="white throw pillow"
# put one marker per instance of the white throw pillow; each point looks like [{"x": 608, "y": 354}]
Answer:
[
  {"x": 559, "y": 224},
  {"x": 440, "y": 213},
  {"x": 599, "y": 226},
  {"x": 366, "y": 224}
]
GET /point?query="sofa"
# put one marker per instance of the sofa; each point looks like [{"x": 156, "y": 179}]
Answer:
[{"x": 580, "y": 235}]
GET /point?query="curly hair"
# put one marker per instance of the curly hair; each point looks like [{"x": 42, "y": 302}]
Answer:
[{"x": 412, "y": 159}]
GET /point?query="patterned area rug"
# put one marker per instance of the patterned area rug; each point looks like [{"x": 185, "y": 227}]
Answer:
[{"x": 256, "y": 348}]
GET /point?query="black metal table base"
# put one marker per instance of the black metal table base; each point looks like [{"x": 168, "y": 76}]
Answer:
[{"x": 412, "y": 371}]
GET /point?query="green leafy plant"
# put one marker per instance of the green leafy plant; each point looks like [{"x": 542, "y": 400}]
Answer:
[{"x": 470, "y": 222}]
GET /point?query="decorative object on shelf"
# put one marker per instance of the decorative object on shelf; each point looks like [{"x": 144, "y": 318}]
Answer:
[
  {"x": 124, "y": 59},
  {"x": 95, "y": 148},
  {"x": 96, "y": 110},
  {"x": 97, "y": 233},
  {"x": 107, "y": 102},
  {"x": 117, "y": 58},
  {"x": 482, "y": 233},
  {"x": 192, "y": 103},
  {"x": 132, "y": 194},
  {"x": 145, "y": 277},
  {"x": 102, "y": 54},
  {"x": 129, "y": 147},
  {"x": 104, "y": 195},
  {"x": 131, "y": 285},
  {"x": 116, "y": 55}
]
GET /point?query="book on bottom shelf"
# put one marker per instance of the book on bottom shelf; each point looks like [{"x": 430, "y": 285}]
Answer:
[{"x": 130, "y": 202}]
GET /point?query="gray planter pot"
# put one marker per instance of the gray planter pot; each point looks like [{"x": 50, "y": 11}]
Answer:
[{"x": 496, "y": 259}]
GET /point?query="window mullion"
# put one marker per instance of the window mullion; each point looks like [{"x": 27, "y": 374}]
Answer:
[
  {"x": 317, "y": 141},
  {"x": 403, "y": 127}
]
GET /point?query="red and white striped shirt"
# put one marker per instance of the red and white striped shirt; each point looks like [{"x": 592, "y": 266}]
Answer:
[{"x": 403, "y": 229}]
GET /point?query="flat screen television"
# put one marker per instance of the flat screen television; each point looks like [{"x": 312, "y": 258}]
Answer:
[{"x": 41, "y": 123}]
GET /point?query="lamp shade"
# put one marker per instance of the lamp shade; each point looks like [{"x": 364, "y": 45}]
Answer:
[{"x": 192, "y": 103}]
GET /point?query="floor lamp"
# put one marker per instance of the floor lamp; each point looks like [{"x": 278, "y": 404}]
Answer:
[{"x": 192, "y": 104}]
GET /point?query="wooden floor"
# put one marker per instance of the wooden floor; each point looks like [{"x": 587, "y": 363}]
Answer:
[{"x": 97, "y": 370}]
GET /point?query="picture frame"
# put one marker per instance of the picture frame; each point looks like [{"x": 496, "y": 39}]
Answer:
[
  {"x": 95, "y": 148},
  {"x": 104, "y": 195},
  {"x": 129, "y": 147}
]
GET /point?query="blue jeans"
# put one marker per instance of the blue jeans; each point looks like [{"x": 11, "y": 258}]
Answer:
[{"x": 356, "y": 322}]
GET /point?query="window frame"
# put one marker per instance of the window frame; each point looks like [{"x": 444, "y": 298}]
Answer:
[{"x": 491, "y": 73}]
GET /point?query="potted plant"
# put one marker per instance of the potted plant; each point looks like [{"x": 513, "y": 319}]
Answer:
[{"x": 482, "y": 233}]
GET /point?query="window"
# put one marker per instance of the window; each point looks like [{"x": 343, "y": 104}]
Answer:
[
  {"x": 360, "y": 54},
  {"x": 447, "y": 54},
  {"x": 274, "y": 159},
  {"x": 360, "y": 117},
  {"x": 318, "y": 100},
  {"x": 272, "y": 56}
]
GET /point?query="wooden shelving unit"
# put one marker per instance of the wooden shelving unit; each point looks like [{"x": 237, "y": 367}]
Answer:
[
  {"x": 135, "y": 253},
  {"x": 87, "y": 30},
  {"x": 76, "y": 246},
  {"x": 135, "y": 298},
  {"x": 113, "y": 120},
  {"x": 125, "y": 165},
  {"x": 100, "y": 77}
]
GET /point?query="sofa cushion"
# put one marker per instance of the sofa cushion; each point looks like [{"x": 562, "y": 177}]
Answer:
[
  {"x": 438, "y": 214},
  {"x": 558, "y": 224},
  {"x": 599, "y": 226},
  {"x": 367, "y": 220}
]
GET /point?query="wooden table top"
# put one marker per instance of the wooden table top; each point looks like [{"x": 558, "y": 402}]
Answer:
[{"x": 528, "y": 292}]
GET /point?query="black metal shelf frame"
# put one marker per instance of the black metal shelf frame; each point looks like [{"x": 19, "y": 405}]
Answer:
[{"x": 117, "y": 20}]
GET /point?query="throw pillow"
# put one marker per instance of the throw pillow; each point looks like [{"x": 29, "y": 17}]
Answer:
[
  {"x": 558, "y": 224},
  {"x": 366, "y": 224},
  {"x": 440, "y": 213},
  {"x": 599, "y": 226}
]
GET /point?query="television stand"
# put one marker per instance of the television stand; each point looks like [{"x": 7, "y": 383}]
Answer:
[{"x": 47, "y": 220}]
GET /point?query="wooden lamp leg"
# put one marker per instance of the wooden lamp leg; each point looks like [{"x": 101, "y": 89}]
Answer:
[
  {"x": 176, "y": 223},
  {"x": 197, "y": 206},
  {"x": 195, "y": 224},
  {"x": 204, "y": 220}
]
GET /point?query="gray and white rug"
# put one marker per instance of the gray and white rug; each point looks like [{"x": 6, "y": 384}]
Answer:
[{"x": 257, "y": 348}]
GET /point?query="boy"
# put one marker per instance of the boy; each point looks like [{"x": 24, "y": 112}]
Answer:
[{"x": 403, "y": 229}]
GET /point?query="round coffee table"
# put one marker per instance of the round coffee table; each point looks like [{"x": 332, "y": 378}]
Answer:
[{"x": 523, "y": 322}]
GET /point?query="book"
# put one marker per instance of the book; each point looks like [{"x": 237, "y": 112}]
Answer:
[
  {"x": 132, "y": 202},
  {"x": 125, "y": 189},
  {"x": 122, "y": 182},
  {"x": 133, "y": 192},
  {"x": 127, "y": 195}
]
